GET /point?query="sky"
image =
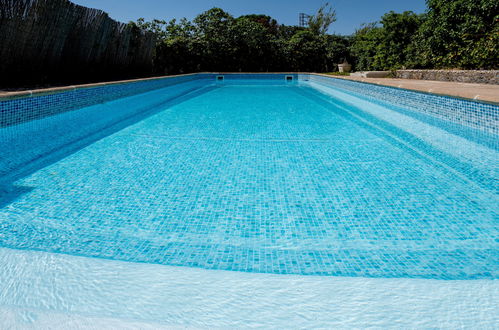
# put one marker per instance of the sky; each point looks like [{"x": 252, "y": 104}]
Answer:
[{"x": 350, "y": 13}]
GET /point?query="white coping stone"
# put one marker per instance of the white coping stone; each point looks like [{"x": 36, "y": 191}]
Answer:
[
  {"x": 40, "y": 290},
  {"x": 371, "y": 74}
]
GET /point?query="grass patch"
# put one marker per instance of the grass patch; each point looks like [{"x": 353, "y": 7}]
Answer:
[{"x": 338, "y": 73}]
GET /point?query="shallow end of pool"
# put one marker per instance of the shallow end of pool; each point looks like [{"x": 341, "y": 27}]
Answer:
[{"x": 40, "y": 289}]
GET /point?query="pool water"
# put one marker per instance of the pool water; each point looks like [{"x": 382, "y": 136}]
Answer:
[{"x": 283, "y": 178}]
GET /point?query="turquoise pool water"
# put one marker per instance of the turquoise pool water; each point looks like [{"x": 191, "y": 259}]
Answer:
[{"x": 257, "y": 176}]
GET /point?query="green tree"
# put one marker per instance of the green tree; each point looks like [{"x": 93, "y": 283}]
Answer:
[
  {"x": 387, "y": 45},
  {"x": 460, "y": 34},
  {"x": 322, "y": 20},
  {"x": 395, "y": 49},
  {"x": 177, "y": 51},
  {"x": 267, "y": 22},
  {"x": 251, "y": 45},
  {"x": 156, "y": 26},
  {"x": 308, "y": 51},
  {"x": 216, "y": 41},
  {"x": 337, "y": 50},
  {"x": 213, "y": 28},
  {"x": 364, "y": 46}
]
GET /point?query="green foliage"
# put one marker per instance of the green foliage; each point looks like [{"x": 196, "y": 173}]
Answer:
[
  {"x": 453, "y": 33},
  {"x": 217, "y": 41},
  {"x": 307, "y": 51},
  {"x": 365, "y": 46},
  {"x": 337, "y": 50},
  {"x": 460, "y": 34},
  {"x": 395, "y": 48},
  {"x": 177, "y": 50},
  {"x": 388, "y": 45},
  {"x": 337, "y": 73},
  {"x": 320, "y": 22},
  {"x": 267, "y": 22},
  {"x": 214, "y": 30}
]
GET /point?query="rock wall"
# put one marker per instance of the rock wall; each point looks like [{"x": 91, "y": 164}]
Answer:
[{"x": 465, "y": 76}]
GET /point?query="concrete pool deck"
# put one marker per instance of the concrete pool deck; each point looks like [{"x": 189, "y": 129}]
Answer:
[{"x": 481, "y": 92}]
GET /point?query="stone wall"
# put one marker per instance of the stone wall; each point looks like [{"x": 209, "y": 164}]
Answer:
[{"x": 466, "y": 76}]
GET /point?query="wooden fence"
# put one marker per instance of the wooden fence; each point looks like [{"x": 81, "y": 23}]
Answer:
[{"x": 56, "y": 41}]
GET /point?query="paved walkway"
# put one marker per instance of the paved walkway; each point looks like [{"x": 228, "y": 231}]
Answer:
[{"x": 483, "y": 92}]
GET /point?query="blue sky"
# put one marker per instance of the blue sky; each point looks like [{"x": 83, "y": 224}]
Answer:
[{"x": 350, "y": 13}]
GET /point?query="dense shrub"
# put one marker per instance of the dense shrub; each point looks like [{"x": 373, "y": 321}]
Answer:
[
  {"x": 388, "y": 45},
  {"x": 460, "y": 34},
  {"x": 217, "y": 41},
  {"x": 452, "y": 34}
]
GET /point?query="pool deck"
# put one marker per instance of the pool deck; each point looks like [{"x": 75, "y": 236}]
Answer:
[{"x": 482, "y": 92}]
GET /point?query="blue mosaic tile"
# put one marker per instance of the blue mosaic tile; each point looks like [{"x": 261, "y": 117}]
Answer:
[
  {"x": 254, "y": 175},
  {"x": 479, "y": 115},
  {"x": 20, "y": 110},
  {"x": 69, "y": 123}
]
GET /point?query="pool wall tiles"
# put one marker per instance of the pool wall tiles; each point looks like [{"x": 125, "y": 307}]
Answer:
[
  {"x": 66, "y": 121},
  {"x": 478, "y": 115},
  {"x": 280, "y": 77},
  {"x": 24, "y": 109},
  {"x": 482, "y": 116}
]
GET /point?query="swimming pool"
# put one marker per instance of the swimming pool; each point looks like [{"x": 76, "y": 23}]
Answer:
[{"x": 257, "y": 174}]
